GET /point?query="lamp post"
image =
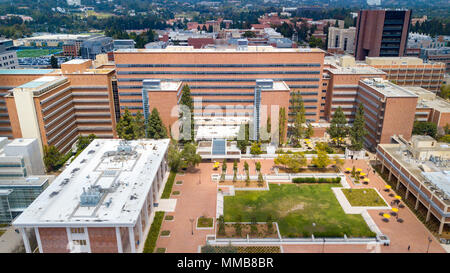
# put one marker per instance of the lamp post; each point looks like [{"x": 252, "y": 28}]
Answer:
[
  {"x": 192, "y": 225},
  {"x": 323, "y": 246},
  {"x": 429, "y": 243}
]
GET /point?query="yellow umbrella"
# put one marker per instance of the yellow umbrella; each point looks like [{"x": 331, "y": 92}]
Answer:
[
  {"x": 395, "y": 209},
  {"x": 359, "y": 170},
  {"x": 366, "y": 179},
  {"x": 388, "y": 187},
  {"x": 362, "y": 174},
  {"x": 348, "y": 169},
  {"x": 398, "y": 197},
  {"x": 386, "y": 216}
]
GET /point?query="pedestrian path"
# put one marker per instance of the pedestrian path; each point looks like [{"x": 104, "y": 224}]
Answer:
[{"x": 166, "y": 205}]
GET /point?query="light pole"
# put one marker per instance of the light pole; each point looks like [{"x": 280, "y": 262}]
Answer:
[
  {"x": 429, "y": 243},
  {"x": 192, "y": 225},
  {"x": 323, "y": 247}
]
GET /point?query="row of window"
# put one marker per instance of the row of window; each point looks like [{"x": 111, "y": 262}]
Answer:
[
  {"x": 219, "y": 65},
  {"x": 213, "y": 72},
  {"x": 226, "y": 80}
]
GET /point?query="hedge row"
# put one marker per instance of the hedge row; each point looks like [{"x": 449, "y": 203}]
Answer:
[
  {"x": 169, "y": 184},
  {"x": 316, "y": 180},
  {"x": 152, "y": 236}
]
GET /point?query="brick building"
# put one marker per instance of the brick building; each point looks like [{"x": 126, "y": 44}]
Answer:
[
  {"x": 56, "y": 106},
  {"x": 410, "y": 71},
  {"x": 381, "y": 33},
  {"x": 223, "y": 76},
  {"x": 102, "y": 202}
]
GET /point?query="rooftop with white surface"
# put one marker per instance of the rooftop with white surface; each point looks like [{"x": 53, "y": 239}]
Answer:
[
  {"x": 105, "y": 185},
  {"x": 387, "y": 88}
]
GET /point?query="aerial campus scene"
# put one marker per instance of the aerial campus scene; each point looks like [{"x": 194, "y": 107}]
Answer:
[{"x": 152, "y": 126}]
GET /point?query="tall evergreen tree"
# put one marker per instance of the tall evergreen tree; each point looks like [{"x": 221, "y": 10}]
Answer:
[
  {"x": 125, "y": 128},
  {"x": 338, "y": 126},
  {"x": 186, "y": 99},
  {"x": 138, "y": 126},
  {"x": 156, "y": 128},
  {"x": 282, "y": 124},
  {"x": 53, "y": 62},
  {"x": 298, "y": 130},
  {"x": 358, "y": 130}
]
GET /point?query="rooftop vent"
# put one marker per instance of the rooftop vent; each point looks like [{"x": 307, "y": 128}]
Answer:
[{"x": 91, "y": 197}]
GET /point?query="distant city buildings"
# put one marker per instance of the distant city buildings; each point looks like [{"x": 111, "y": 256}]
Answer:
[
  {"x": 437, "y": 55},
  {"x": 8, "y": 56},
  {"x": 96, "y": 45},
  {"x": 381, "y": 33}
]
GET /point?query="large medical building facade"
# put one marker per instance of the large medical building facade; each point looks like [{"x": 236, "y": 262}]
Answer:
[{"x": 221, "y": 77}]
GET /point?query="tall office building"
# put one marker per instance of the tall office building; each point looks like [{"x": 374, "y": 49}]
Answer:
[{"x": 381, "y": 33}]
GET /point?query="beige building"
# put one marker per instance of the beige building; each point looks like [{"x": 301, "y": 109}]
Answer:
[
  {"x": 410, "y": 71},
  {"x": 341, "y": 39}
]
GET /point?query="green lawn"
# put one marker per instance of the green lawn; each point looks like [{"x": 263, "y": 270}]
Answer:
[
  {"x": 36, "y": 52},
  {"x": 204, "y": 222},
  {"x": 295, "y": 208},
  {"x": 364, "y": 198}
]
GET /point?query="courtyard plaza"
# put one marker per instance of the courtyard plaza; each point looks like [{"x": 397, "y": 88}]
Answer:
[{"x": 198, "y": 197}]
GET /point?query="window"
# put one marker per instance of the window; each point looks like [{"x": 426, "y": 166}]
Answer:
[
  {"x": 77, "y": 230},
  {"x": 79, "y": 242}
]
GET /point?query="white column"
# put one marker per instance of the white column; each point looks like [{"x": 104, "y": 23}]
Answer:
[
  {"x": 38, "y": 239},
  {"x": 25, "y": 240},
  {"x": 141, "y": 236},
  {"x": 69, "y": 239},
  {"x": 146, "y": 211},
  {"x": 119, "y": 240},
  {"x": 132, "y": 241},
  {"x": 88, "y": 242}
]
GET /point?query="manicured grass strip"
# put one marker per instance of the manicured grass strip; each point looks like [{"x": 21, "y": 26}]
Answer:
[
  {"x": 165, "y": 233},
  {"x": 169, "y": 217},
  {"x": 150, "y": 242},
  {"x": 169, "y": 185},
  {"x": 204, "y": 222},
  {"x": 363, "y": 198},
  {"x": 2, "y": 231}
]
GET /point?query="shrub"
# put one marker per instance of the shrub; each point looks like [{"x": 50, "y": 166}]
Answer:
[
  {"x": 150, "y": 242},
  {"x": 168, "y": 186},
  {"x": 299, "y": 180}
]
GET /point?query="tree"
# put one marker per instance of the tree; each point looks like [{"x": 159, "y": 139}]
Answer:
[
  {"x": 338, "y": 126},
  {"x": 138, "y": 125},
  {"x": 155, "y": 127},
  {"x": 189, "y": 156},
  {"x": 258, "y": 166},
  {"x": 243, "y": 137},
  {"x": 445, "y": 91},
  {"x": 315, "y": 42},
  {"x": 322, "y": 159},
  {"x": 338, "y": 162},
  {"x": 298, "y": 129},
  {"x": 255, "y": 149},
  {"x": 54, "y": 62},
  {"x": 221, "y": 221},
  {"x": 309, "y": 132},
  {"x": 186, "y": 100},
  {"x": 282, "y": 124},
  {"x": 125, "y": 128},
  {"x": 358, "y": 130},
  {"x": 51, "y": 157},
  {"x": 210, "y": 28},
  {"x": 174, "y": 156},
  {"x": 425, "y": 128},
  {"x": 249, "y": 34},
  {"x": 84, "y": 141}
]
